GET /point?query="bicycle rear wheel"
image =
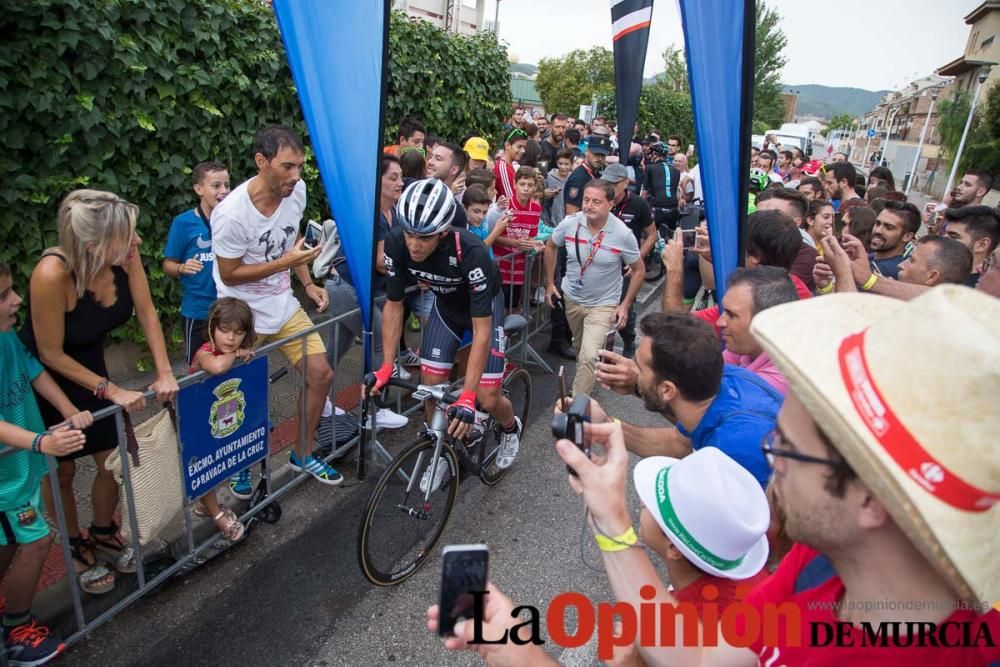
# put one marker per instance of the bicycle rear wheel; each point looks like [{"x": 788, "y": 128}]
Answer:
[
  {"x": 517, "y": 388},
  {"x": 400, "y": 528}
]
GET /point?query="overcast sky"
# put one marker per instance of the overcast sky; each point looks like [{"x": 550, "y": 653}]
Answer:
[{"x": 888, "y": 42}]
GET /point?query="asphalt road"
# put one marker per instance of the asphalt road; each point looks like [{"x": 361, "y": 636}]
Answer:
[{"x": 292, "y": 593}]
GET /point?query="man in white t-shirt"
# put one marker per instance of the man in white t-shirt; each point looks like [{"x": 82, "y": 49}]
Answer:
[{"x": 256, "y": 239}]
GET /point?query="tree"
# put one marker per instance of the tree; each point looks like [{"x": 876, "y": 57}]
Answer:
[
  {"x": 566, "y": 83},
  {"x": 661, "y": 108},
  {"x": 982, "y": 147},
  {"x": 841, "y": 120},
  {"x": 769, "y": 60},
  {"x": 126, "y": 96},
  {"x": 675, "y": 74}
]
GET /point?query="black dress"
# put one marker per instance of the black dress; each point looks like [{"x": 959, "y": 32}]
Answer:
[{"x": 86, "y": 328}]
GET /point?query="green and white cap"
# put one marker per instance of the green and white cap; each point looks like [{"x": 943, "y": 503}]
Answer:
[{"x": 710, "y": 507}]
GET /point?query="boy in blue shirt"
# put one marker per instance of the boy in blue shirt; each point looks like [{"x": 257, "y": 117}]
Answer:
[
  {"x": 188, "y": 254},
  {"x": 23, "y": 444}
]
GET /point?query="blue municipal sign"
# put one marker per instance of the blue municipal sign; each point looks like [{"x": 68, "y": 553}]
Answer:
[
  {"x": 871, "y": 133},
  {"x": 223, "y": 425}
]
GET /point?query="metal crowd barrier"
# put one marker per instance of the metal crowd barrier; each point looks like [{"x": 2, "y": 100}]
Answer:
[
  {"x": 145, "y": 582},
  {"x": 537, "y": 313},
  {"x": 537, "y": 316}
]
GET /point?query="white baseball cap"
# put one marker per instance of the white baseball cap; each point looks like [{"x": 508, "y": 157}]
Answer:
[{"x": 710, "y": 507}]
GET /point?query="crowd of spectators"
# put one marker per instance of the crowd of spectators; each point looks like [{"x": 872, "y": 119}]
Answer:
[{"x": 764, "y": 429}]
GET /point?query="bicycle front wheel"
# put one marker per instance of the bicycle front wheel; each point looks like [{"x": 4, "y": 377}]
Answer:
[
  {"x": 402, "y": 523},
  {"x": 517, "y": 388}
]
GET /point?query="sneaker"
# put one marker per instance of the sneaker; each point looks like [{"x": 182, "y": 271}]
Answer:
[
  {"x": 386, "y": 418},
  {"x": 409, "y": 358},
  {"x": 241, "y": 485},
  {"x": 509, "y": 444},
  {"x": 402, "y": 373},
  {"x": 442, "y": 467},
  {"x": 318, "y": 468},
  {"x": 30, "y": 644}
]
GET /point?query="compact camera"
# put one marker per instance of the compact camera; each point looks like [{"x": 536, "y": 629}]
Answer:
[{"x": 569, "y": 425}]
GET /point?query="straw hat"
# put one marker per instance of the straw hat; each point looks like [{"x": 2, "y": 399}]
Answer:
[
  {"x": 907, "y": 391},
  {"x": 710, "y": 507}
]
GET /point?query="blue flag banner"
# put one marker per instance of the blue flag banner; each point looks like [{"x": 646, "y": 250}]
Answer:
[
  {"x": 719, "y": 42},
  {"x": 630, "y": 21},
  {"x": 335, "y": 51},
  {"x": 223, "y": 426}
]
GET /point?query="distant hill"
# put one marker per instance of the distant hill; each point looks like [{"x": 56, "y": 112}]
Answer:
[
  {"x": 827, "y": 102},
  {"x": 526, "y": 69}
]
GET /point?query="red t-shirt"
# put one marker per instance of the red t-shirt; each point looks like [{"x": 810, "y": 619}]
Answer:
[
  {"x": 523, "y": 225},
  {"x": 815, "y": 607},
  {"x": 503, "y": 171},
  {"x": 727, "y": 589},
  {"x": 205, "y": 347},
  {"x": 712, "y": 315}
]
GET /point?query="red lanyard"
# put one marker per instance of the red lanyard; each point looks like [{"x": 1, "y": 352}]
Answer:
[
  {"x": 594, "y": 247},
  {"x": 618, "y": 213}
]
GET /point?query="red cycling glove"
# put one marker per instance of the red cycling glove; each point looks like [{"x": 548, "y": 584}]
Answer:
[{"x": 382, "y": 376}]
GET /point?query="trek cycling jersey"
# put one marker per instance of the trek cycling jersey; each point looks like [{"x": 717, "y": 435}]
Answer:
[{"x": 459, "y": 271}]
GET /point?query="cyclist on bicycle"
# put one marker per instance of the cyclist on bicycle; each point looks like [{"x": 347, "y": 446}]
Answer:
[
  {"x": 454, "y": 264},
  {"x": 661, "y": 185}
]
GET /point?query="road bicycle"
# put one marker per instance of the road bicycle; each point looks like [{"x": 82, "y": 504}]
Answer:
[{"x": 413, "y": 498}]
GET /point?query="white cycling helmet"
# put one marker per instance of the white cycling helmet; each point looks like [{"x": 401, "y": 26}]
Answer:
[{"x": 427, "y": 207}]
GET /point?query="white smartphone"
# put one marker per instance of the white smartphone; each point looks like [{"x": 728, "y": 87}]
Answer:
[
  {"x": 314, "y": 232},
  {"x": 464, "y": 570}
]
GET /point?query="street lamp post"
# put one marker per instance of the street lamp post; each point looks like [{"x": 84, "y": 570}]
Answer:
[
  {"x": 984, "y": 72},
  {"x": 923, "y": 134},
  {"x": 496, "y": 21}
]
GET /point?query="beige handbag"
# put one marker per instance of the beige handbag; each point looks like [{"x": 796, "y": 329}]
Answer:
[{"x": 154, "y": 472}]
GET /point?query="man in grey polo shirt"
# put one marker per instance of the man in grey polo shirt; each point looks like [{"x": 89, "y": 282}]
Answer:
[{"x": 599, "y": 245}]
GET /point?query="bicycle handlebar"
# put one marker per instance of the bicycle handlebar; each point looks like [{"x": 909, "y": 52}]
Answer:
[{"x": 439, "y": 392}]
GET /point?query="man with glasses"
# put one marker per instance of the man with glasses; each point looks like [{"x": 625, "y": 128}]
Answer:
[{"x": 890, "y": 500}]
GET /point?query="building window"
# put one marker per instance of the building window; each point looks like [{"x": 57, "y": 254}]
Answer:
[{"x": 986, "y": 43}]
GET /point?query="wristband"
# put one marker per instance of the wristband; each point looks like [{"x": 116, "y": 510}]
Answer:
[
  {"x": 36, "y": 444},
  {"x": 624, "y": 541},
  {"x": 825, "y": 290},
  {"x": 872, "y": 279},
  {"x": 101, "y": 390}
]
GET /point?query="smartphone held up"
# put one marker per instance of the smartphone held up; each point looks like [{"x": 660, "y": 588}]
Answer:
[
  {"x": 313, "y": 234},
  {"x": 464, "y": 572}
]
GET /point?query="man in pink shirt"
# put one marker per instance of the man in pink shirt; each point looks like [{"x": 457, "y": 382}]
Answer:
[{"x": 749, "y": 292}]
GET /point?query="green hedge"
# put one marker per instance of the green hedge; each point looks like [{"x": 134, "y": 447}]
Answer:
[
  {"x": 660, "y": 108},
  {"x": 127, "y": 95}
]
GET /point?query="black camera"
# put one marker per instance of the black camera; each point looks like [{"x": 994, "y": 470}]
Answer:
[{"x": 569, "y": 425}]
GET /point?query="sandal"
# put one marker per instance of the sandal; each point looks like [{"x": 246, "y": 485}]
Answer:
[
  {"x": 199, "y": 510},
  {"x": 108, "y": 541},
  {"x": 94, "y": 577},
  {"x": 229, "y": 525}
]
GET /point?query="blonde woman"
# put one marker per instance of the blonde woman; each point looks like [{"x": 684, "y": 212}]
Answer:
[{"x": 80, "y": 291}]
